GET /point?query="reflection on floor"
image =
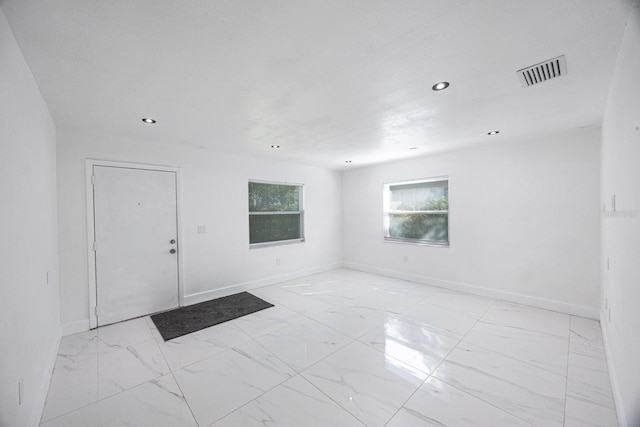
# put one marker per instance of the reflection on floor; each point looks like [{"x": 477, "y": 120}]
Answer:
[{"x": 342, "y": 348}]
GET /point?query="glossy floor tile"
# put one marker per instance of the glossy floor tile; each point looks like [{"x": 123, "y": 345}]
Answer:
[
  {"x": 293, "y": 403},
  {"x": 390, "y": 300},
  {"x": 438, "y": 404},
  {"x": 75, "y": 385},
  {"x": 528, "y": 318},
  {"x": 188, "y": 349},
  {"x": 282, "y": 297},
  {"x": 158, "y": 402},
  {"x": 223, "y": 383},
  {"x": 102, "y": 340},
  {"x": 342, "y": 348},
  {"x": 265, "y": 321},
  {"x": 411, "y": 342},
  {"x": 352, "y": 321},
  {"x": 465, "y": 304},
  {"x": 304, "y": 343},
  {"x": 522, "y": 389},
  {"x": 547, "y": 351},
  {"x": 589, "y": 397},
  {"x": 369, "y": 384},
  {"x": 441, "y": 320}
]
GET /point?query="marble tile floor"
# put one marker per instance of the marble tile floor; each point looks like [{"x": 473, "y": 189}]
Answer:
[{"x": 342, "y": 348}]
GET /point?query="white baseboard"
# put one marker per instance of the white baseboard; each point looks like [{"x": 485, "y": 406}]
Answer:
[
  {"x": 84, "y": 325},
  {"x": 41, "y": 395},
  {"x": 562, "y": 307},
  {"x": 74, "y": 327},
  {"x": 254, "y": 284},
  {"x": 615, "y": 387}
]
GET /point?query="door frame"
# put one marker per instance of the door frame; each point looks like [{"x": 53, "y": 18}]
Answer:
[{"x": 91, "y": 255}]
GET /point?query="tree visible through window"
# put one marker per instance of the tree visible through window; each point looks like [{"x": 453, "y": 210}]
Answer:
[
  {"x": 275, "y": 212},
  {"x": 417, "y": 211}
]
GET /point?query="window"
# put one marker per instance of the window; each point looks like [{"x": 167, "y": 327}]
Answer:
[
  {"x": 275, "y": 213},
  {"x": 417, "y": 211}
]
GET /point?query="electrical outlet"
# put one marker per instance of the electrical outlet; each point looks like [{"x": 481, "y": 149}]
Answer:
[
  {"x": 20, "y": 390},
  {"x": 47, "y": 277},
  {"x": 406, "y": 258},
  {"x": 277, "y": 261},
  {"x": 202, "y": 229},
  {"x": 606, "y": 303},
  {"x": 608, "y": 264}
]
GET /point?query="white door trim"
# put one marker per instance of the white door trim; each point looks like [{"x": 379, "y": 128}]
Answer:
[{"x": 89, "y": 164}]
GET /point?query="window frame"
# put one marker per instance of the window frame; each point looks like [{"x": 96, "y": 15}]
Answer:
[
  {"x": 387, "y": 212},
  {"x": 299, "y": 212}
]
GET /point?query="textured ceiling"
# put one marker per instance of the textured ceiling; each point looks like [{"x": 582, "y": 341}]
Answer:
[{"x": 327, "y": 80}]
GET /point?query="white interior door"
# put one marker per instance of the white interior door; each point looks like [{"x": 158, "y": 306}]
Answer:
[{"x": 135, "y": 220}]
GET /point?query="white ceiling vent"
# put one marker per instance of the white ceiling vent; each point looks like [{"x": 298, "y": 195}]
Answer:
[{"x": 543, "y": 71}]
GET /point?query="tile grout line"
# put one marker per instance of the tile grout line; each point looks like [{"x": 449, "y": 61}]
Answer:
[
  {"x": 74, "y": 410},
  {"x": 331, "y": 399},
  {"x": 408, "y": 398},
  {"x": 529, "y": 330},
  {"x": 250, "y": 338},
  {"x": 353, "y": 340},
  {"x": 217, "y": 354},
  {"x": 463, "y": 391},
  {"x": 490, "y": 350},
  {"x": 171, "y": 372},
  {"x": 297, "y": 373},
  {"x": 430, "y": 375},
  {"x": 463, "y": 337},
  {"x": 97, "y": 355},
  {"x": 352, "y": 302}
]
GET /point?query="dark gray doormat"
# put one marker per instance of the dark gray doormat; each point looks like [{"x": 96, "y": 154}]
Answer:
[{"x": 185, "y": 320}]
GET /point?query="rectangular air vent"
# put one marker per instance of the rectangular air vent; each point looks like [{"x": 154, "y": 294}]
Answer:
[{"x": 543, "y": 71}]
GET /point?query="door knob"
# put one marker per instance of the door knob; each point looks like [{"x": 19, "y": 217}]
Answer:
[
  {"x": 172, "y": 241},
  {"x": 173, "y": 251}
]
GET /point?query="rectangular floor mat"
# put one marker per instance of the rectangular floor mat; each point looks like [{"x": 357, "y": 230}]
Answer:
[{"x": 185, "y": 320}]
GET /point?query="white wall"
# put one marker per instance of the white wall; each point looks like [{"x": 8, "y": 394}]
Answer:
[
  {"x": 29, "y": 306},
  {"x": 524, "y": 221},
  {"x": 621, "y": 229},
  {"x": 214, "y": 194}
]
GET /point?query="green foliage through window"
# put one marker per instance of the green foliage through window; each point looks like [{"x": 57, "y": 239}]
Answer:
[
  {"x": 275, "y": 212},
  {"x": 418, "y": 211},
  {"x": 273, "y": 197},
  {"x": 426, "y": 227}
]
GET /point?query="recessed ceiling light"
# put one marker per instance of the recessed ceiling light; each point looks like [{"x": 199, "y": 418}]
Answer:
[
  {"x": 413, "y": 148},
  {"x": 493, "y": 132},
  {"x": 275, "y": 146},
  {"x": 148, "y": 120},
  {"x": 440, "y": 86}
]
